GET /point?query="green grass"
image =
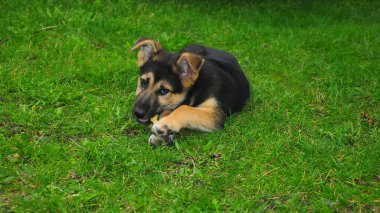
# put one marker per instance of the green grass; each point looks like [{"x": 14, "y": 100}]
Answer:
[{"x": 308, "y": 140}]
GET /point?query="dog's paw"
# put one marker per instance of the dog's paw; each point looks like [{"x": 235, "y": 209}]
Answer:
[
  {"x": 155, "y": 140},
  {"x": 164, "y": 128}
]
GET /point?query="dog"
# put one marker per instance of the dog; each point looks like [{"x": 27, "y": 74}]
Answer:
[{"x": 195, "y": 88}]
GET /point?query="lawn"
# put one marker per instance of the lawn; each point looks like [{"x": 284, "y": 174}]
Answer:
[{"x": 308, "y": 139}]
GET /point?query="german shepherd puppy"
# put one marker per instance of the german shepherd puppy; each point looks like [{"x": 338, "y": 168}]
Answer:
[{"x": 195, "y": 88}]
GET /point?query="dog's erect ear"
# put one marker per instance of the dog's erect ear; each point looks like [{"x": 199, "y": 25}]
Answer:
[
  {"x": 149, "y": 50},
  {"x": 188, "y": 67}
]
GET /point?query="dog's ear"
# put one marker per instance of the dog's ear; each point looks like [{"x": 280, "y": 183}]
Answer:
[
  {"x": 188, "y": 67},
  {"x": 149, "y": 50}
]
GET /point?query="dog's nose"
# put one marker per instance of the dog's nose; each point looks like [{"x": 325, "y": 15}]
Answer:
[{"x": 139, "y": 113}]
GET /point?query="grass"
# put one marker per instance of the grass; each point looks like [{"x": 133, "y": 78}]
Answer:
[{"x": 308, "y": 140}]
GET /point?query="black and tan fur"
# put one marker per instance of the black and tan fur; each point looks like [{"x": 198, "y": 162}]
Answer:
[{"x": 195, "y": 88}]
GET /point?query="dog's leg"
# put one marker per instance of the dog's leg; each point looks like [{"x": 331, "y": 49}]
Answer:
[
  {"x": 166, "y": 140},
  {"x": 205, "y": 117}
]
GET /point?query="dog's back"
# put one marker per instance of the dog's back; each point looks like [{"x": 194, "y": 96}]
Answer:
[{"x": 221, "y": 77}]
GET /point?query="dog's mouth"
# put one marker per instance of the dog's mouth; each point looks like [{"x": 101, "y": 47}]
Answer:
[
  {"x": 143, "y": 121},
  {"x": 141, "y": 116},
  {"x": 144, "y": 117}
]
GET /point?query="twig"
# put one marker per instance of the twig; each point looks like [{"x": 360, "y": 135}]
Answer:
[
  {"x": 194, "y": 167},
  {"x": 48, "y": 28},
  {"x": 44, "y": 29}
]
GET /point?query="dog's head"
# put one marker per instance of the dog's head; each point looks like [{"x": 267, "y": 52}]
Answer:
[{"x": 164, "y": 79}]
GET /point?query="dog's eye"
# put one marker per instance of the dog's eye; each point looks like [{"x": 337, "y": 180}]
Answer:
[
  {"x": 163, "y": 91},
  {"x": 143, "y": 83}
]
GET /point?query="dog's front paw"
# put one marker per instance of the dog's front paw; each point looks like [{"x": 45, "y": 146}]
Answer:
[
  {"x": 156, "y": 140},
  {"x": 164, "y": 127},
  {"x": 162, "y": 132}
]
